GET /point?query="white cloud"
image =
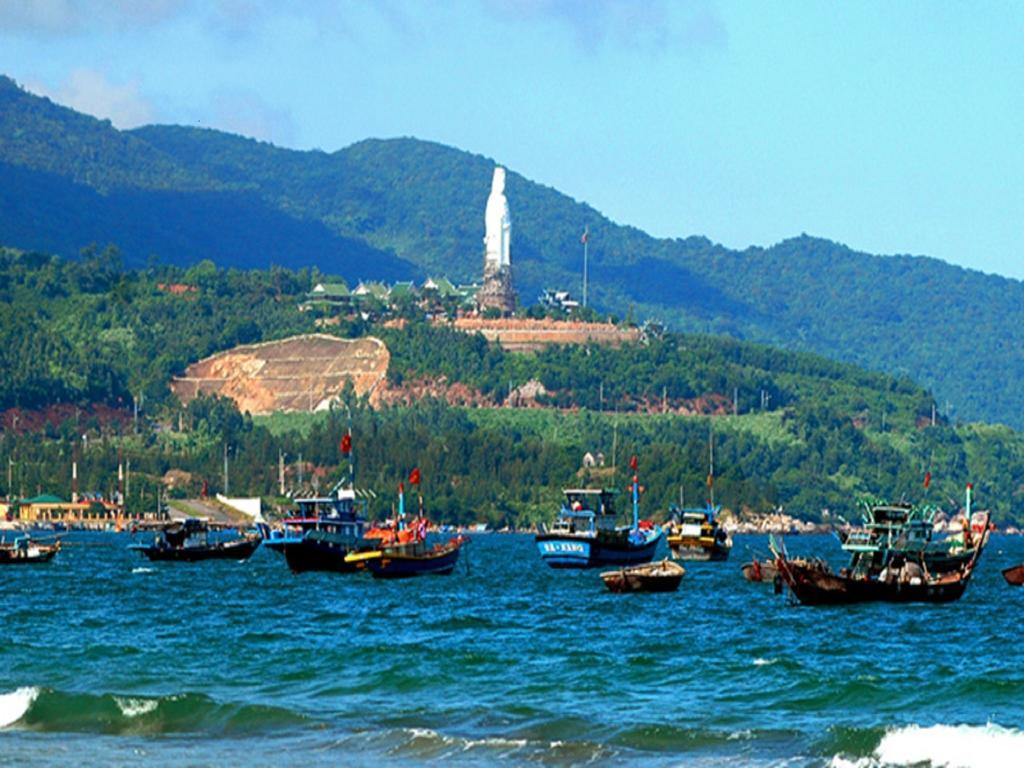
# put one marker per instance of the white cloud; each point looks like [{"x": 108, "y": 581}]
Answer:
[{"x": 89, "y": 91}]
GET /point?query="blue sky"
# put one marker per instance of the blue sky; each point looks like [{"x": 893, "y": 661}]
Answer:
[{"x": 891, "y": 127}]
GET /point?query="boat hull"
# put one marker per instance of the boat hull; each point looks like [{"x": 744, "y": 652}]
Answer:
[
  {"x": 581, "y": 551},
  {"x": 319, "y": 554},
  {"x": 1014, "y": 576},
  {"x": 240, "y": 549},
  {"x": 655, "y": 577},
  {"x": 399, "y": 564},
  {"x": 812, "y": 585},
  {"x": 42, "y": 554},
  {"x": 688, "y": 549}
]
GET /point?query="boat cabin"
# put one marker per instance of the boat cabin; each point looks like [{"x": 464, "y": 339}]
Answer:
[{"x": 585, "y": 510}]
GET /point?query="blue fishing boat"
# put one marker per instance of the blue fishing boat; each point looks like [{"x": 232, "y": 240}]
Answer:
[{"x": 584, "y": 534}]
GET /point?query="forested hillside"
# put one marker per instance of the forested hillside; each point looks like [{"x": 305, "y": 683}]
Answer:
[
  {"x": 404, "y": 208},
  {"x": 90, "y": 335}
]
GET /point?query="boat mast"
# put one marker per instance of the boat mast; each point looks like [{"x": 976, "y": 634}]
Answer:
[{"x": 711, "y": 464}]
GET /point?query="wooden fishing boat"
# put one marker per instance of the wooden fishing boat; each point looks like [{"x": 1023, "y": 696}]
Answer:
[
  {"x": 650, "y": 577},
  {"x": 1014, "y": 576},
  {"x": 26, "y": 551},
  {"x": 893, "y": 559},
  {"x": 818, "y": 585},
  {"x": 408, "y": 560},
  {"x": 188, "y": 541}
]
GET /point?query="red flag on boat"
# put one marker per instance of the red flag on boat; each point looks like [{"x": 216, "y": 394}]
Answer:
[
  {"x": 633, "y": 463},
  {"x": 346, "y": 444},
  {"x": 414, "y": 476},
  {"x": 927, "y": 479},
  {"x": 401, "y": 487}
]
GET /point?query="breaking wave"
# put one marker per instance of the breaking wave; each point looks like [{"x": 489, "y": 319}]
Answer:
[
  {"x": 42, "y": 709},
  {"x": 943, "y": 746}
]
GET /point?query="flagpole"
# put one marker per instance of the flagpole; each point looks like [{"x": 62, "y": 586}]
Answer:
[{"x": 586, "y": 245}]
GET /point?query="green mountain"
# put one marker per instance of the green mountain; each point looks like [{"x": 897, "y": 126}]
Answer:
[{"x": 403, "y": 208}]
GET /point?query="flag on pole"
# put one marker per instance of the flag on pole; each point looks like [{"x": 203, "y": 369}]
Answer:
[
  {"x": 414, "y": 476},
  {"x": 346, "y": 444},
  {"x": 585, "y": 237},
  {"x": 401, "y": 487},
  {"x": 927, "y": 479},
  {"x": 633, "y": 463}
]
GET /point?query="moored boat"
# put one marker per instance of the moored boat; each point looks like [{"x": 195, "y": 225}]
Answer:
[
  {"x": 584, "y": 533},
  {"x": 893, "y": 559},
  {"x": 664, "y": 576},
  {"x": 907, "y": 582},
  {"x": 25, "y": 550},
  {"x": 759, "y": 570},
  {"x": 1014, "y": 576},
  {"x": 697, "y": 535},
  {"x": 413, "y": 559},
  {"x": 189, "y": 541}
]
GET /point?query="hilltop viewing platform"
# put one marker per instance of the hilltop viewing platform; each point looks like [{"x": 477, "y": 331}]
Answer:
[{"x": 526, "y": 335}]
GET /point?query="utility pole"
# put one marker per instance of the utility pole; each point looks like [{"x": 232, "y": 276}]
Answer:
[
  {"x": 225, "y": 469},
  {"x": 735, "y": 401},
  {"x": 280, "y": 470}
]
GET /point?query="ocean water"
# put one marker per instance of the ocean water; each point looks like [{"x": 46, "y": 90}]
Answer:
[{"x": 107, "y": 659}]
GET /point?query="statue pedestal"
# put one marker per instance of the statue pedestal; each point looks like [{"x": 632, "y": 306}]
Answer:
[{"x": 497, "y": 292}]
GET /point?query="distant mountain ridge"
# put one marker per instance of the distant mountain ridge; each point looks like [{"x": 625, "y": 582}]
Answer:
[{"x": 404, "y": 208}]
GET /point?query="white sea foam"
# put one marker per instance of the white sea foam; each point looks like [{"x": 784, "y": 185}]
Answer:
[
  {"x": 944, "y": 746},
  {"x": 135, "y": 707},
  {"x": 15, "y": 704},
  {"x": 143, "y": 570},
  {"x": 759, "y": 662}
]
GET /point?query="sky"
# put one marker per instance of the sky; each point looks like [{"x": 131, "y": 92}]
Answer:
[{"x": 890, "y": 127}]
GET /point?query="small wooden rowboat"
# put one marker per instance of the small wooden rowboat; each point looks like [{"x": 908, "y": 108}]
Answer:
[
  {"x": 760, "y": 570},
  {"x": 1014, "y": 576},
  {"x": 651, "y": 577}
]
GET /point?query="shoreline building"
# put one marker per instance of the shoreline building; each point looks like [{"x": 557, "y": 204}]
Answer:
[{"x": 497, "y": 291}]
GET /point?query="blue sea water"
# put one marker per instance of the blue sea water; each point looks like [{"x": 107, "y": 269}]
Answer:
[{"x": 107, "y": 659}]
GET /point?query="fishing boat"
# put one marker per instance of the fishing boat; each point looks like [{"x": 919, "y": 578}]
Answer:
[
  {"x": 890, "y": 529},
  {"x": 1014, "y": 576},
  {"x": 904, "y": 582},
  {"x": 584, "y": 533},
  {"x": 412, "y": 559},
  {"x": 897, "y": 561},
  {"x": 664, "y": 576},
  {"x": 189, "y": 541},
  {"x": 697, "y": 535},
  {"x": 401, "y": 549},
  {"x": 25, "y": 550},
  {"x": 326, "y": 530}
]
